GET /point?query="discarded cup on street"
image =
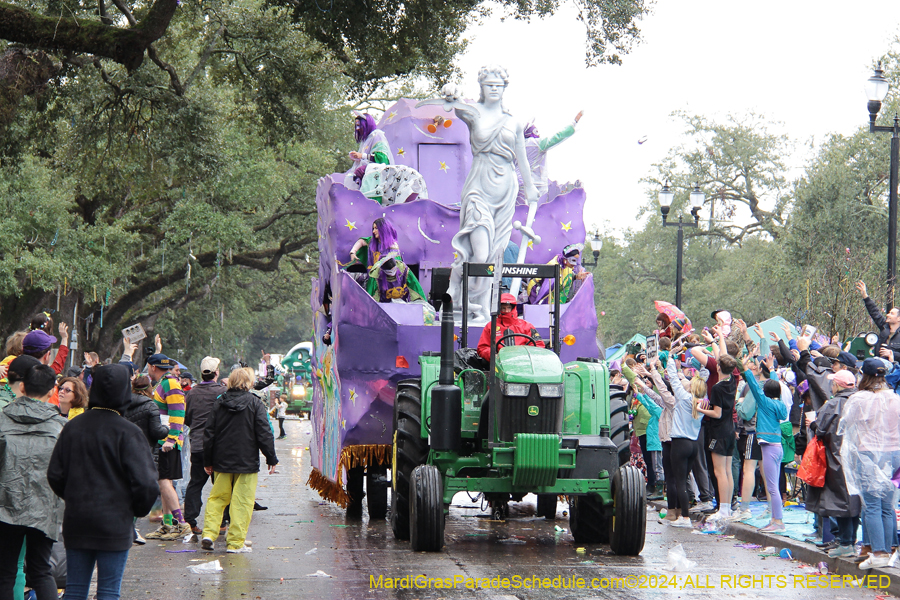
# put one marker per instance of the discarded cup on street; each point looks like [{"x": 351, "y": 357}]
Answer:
[
  {"x": 785, "y": 553},
  {"x": 678, "y": 560},
  {"x": 209, "y": 567},
  {"x": 319, "y": 573},
  {"x": 822, "y": 567}
]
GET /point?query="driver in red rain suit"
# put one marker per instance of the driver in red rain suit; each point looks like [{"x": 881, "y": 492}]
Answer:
[{"x": 508, "y": 321}]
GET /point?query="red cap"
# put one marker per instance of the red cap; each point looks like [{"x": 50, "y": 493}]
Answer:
[{"x": 507, "y": 299}]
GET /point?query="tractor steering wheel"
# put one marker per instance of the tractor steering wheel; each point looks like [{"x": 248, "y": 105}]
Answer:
[{"x": 513, "y": 335}]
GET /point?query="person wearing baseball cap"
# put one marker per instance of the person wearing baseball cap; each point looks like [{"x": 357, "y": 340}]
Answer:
[
  {"x": 508, "y": 322},
  {"x": 845, "y": 360},
  {"x": 834, "y": 500},
  {"x": 169, "y": 398},
  {"x": 200, "y": 400}
]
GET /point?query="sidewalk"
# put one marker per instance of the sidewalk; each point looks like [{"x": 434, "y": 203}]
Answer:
[{"x": 801, "y": 551}]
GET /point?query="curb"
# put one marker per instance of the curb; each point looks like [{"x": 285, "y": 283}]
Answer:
[{"x": 804, "y": 552}]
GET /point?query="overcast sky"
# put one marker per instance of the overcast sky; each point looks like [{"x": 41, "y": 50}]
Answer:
[{"x": 799, "y": 62}]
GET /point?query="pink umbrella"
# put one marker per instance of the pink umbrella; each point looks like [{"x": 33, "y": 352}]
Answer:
[{"x": 668, "y": 309}]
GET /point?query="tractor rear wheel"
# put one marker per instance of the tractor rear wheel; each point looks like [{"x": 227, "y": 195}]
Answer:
[
  {"x": 546, "y": 506},
  {"x": 619, "y": 426},
  {"x": 629, "y": 524},
  {"x": 426, "y": 509},
  {"x": 587, "y": 521},
  {"x": 376, "y": 492},
  {"x": 409, "y": 451}
]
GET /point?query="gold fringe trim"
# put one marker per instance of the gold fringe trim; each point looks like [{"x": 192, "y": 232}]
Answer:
[
  {"x": 328, "y": 489},
  {"x": 351, "y": 457}
]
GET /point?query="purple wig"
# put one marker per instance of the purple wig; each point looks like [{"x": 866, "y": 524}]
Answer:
[
  {"x": 387, "y": 237},
  {"x": 364, "y": 126},
  {"x": 531, "y": 131}
]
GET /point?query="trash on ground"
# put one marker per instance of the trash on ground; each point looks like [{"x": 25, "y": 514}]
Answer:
[
  {"x": 209, "y": 567},
  {"x": 319, "y": 573},
  {"x": 786, "y": 553},
  {"x": 822, "y": 568},
  {"x": 280, "y": 547},
  {"x": 313, "y": 551},
  {"x": 678, "y": 560},
  {"x": 177, "y": 551},
  {"x": 748, "y": 546}
]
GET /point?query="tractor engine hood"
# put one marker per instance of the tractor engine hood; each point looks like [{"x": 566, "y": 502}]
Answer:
[{"x": 528, "y": 364}]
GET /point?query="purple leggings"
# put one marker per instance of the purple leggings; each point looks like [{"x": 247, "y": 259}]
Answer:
[{"x": 772, "y": 454}]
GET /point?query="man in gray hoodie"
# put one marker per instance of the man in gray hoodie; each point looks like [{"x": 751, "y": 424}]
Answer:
[{"x": 29, "y": 510}]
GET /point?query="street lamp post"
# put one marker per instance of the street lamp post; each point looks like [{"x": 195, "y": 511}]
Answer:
[
  {"x": 666, "y": 196},
  {"x": 876, "y": 90},
  {"x": 596, "y": 243}
]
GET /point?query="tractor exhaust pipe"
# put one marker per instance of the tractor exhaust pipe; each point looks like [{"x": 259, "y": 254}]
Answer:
[
  {"x": 446, "y": 375},
  {"x": 446, "y": 398}
]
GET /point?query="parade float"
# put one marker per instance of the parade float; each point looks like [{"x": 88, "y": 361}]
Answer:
[{"x": 363, "y": 348}]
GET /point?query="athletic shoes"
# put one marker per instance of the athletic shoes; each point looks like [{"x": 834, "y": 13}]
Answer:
[
  {"x": 159, "y": 533},
  {"x": 703, "y": 507},
  {"x": 842, "y": 552},
  {"x": 176, "y": 531},
  {"x": 138, "y": 538},
  {"x": 196, "y": 530},
  {"x": 245, "y": 549},
  {"x": 682, "y": 522},
  {"x": 206, "y": 544},
  {"x": 874, "y": 562},
  {"x": 741, "y": 515}
]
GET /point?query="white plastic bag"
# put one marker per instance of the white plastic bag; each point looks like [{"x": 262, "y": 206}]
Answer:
[
  {"x": 678, "y": 561},
  {"x": 210, "y": 567}
]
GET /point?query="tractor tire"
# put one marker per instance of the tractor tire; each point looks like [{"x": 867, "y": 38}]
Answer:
[
  {"x": 426, "y": 509},
  {"x": 587, "y": 522},
  {"x": 376, "y": 492},
  {"x": 619, "y": 425},
  {"x": 355, "y": 491},
  {"x": 409, "y": 451},
  {"x": 629, "y": 525},
  {"x": 546, "y": 506}
]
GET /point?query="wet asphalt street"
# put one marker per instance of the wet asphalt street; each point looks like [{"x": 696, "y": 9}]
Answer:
[{"x": 299, "y": 536}]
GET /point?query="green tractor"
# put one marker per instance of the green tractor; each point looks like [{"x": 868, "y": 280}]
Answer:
[{"x": 529, "y": 424}]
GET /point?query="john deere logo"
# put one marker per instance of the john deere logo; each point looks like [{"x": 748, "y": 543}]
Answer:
[{"x": 533, "y": 411}]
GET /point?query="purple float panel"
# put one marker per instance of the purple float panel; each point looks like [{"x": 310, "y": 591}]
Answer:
[{"x": 443, "y": 157}]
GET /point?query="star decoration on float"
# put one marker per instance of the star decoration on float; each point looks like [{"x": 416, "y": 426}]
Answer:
[
  {"x": 353, "y": 395},
  {"x": 401, "y": 152},
  {"x": 391, "y": 116},
  {"x": 531, "y": 244},
  {"x": 444, "y": 166},
  {"x": 344, "y": 424},
  {"x": 351, "y": 225},
  {"x": 566, "y": 226}
]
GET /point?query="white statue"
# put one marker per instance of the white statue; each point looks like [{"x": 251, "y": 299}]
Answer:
[{"x": 489, "y": 193}]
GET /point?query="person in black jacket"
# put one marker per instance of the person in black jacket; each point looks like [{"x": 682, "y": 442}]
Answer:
[
  {"x": 142, "y": 411},
  {"x": 236, "y": 431},
  {"x": 102, "y": 451},
  {"x": 888, "y": 326},
  {"x": 199, "y": 402}
]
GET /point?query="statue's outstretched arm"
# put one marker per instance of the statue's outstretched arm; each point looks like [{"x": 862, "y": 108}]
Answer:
[{"x": 450, "y": 101}]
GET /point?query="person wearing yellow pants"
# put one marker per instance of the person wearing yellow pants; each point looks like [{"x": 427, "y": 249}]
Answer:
[{"x": 237, "y": 430}]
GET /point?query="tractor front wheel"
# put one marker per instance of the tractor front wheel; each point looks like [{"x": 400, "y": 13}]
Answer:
[
  {"x": 619, "y": 426},
  {"x": 586, "y": 520},
  {"x": 629, "y": 523},
  {"x": 546, "y": 506},
  {"x": 409, "y": 451},
  {"x": 426, "y": 509}
]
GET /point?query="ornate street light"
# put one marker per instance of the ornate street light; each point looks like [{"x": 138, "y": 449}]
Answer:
[
  {"x": 876, "y": 90},
  {"x": 666, "y": 197}
]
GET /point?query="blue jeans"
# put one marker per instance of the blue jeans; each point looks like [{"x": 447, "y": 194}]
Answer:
[
  {"x": 879, "y": 519},
  {"x": 80, "y": 567}
]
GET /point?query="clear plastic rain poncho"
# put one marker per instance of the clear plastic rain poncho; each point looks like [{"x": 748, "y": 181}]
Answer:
[{"x": 870, "y": 424}]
